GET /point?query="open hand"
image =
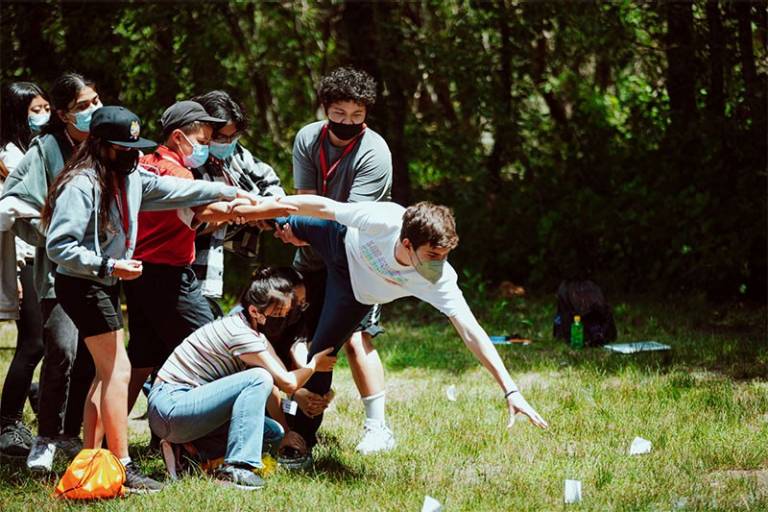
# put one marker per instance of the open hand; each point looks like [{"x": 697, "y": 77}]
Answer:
[
  {"x": 272, "y": 207},
  {"x": 127, "y": 269},
  {"x": 311, "y": 403},
  {"x": 518, "y": 404},
  {"x": 247, "y": 197},
  {"x": 285, "y": 234},
  {"x": 324, "y": 361}
]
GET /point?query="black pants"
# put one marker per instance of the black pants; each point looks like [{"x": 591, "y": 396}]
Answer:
[
  {"x": 29, "y": 352},
  {"x": 341, "y": 313},
  {"x": 66, "y": 374},
  {"x": 165, "y": 306}
]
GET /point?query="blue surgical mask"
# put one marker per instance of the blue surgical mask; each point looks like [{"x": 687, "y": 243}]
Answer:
[
  {"x": 223, "y": 151},
  {"x": 37, "y": 121},
  {"x": 198, "y": 157},
  {"x": 83, "y": 118}
]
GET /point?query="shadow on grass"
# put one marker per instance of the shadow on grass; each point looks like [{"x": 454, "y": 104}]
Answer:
[{"x": 329, "y": 465}]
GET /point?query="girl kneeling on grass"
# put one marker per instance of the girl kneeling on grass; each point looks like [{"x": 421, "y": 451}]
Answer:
[
  {"x": 221, "y": 377},
  {"x": 91, "y": 213}
]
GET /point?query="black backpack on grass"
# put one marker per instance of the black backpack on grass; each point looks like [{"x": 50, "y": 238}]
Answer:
[{"x": 586, "y": 299}]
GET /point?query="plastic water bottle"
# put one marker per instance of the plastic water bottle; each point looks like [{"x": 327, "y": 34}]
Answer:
[{"x": 577, "y": 333}]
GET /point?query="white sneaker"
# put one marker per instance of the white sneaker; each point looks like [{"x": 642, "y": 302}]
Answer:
[
  {"x": 41, "y": 454},
  {"x": 377, "y": 437}
]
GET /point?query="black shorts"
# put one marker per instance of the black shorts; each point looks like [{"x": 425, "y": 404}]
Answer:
[
  {"x": 165, "y": 305},
  {"x": 315, "y": 283},
  {"x": 93, "y": 307}
]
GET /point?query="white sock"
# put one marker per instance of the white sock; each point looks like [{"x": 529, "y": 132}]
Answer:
[
  {"x": 125, "y": 461},
  {"x": 374, "y": 408}
]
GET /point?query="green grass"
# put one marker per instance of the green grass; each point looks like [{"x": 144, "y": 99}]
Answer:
[{"x": 704, "y": 406}]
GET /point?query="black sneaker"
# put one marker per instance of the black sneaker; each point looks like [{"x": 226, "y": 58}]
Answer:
[
  {"x": 136, "y": 482},
  {"x": 295, "y": 460},
  {"x": 15, "y": 440},
  {"x": 239, "y": 477}
]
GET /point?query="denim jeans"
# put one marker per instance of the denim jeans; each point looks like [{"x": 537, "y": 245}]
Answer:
[
  {"x": 341, "y": 313},
  {"x": 182, "y": 414}
]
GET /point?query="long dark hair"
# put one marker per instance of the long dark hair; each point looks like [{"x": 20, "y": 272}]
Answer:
[
  {"x": 64, "y": 91},
  {"x": 89, "y": 155},
  {"x": 14, "y": 126},
  {"x": 268, "y": 286}
]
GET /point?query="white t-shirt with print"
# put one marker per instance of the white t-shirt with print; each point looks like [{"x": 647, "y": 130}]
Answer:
[{"x": 377, "y": 277}]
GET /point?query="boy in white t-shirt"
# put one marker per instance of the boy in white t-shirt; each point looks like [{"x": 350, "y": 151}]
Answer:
[{"x": 376, "y": 253}]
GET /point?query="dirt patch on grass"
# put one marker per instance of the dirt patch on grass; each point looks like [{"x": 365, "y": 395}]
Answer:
[
  {"x": 759, "y": 477},
  {"x": 535, "y": 380},
  {"x": 407, "y": 389}
]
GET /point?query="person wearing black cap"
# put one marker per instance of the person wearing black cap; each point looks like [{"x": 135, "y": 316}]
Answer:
[
  {"x": 92, "y": 214},
  {"x": 166, "y": 304}
]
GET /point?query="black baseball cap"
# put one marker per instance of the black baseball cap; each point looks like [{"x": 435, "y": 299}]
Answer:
[
  {"x": 186, "y": 112},
  {"x": 119, "y": 126}
]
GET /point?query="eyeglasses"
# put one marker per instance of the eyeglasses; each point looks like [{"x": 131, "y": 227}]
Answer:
[{"x": 223, "y": 139}]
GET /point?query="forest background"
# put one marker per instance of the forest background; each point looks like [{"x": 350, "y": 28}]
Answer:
[{"x": 623, "y": 141}]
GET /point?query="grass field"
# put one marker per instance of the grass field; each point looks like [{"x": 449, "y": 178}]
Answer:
[{"x": 704, "y": 406}]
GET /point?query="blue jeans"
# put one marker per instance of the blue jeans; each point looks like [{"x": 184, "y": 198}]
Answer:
[
  {"x": 341, "y": 313},
  {"x": 182, "y": 414}
]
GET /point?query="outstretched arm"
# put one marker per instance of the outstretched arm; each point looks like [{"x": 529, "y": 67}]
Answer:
[
  {"x": 476, "y": 339},
  {"x": 305, "y": 205}
]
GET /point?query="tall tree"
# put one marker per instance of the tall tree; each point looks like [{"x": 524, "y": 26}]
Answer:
[{"x": 681, "y": 69}]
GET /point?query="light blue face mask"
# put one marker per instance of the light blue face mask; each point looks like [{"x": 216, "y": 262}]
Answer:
[
  {"x": 198, "y": 157},
  {"x": 37, "y": 121},
  {"x": 83, "y": 118},
  {"x": 223, "y": 151}
]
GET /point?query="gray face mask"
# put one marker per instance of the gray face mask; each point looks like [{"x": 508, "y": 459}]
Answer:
[{"x": 431, "y": 270}]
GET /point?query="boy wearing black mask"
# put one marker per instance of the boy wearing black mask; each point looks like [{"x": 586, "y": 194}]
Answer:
[{"x": 343, "y": 159}]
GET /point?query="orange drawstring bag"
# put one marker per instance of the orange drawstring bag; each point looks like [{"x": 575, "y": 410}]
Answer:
[{"x": 94, "y": 474}]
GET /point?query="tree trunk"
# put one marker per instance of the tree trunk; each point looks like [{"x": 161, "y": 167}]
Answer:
[
  {"x": 503, "y": 122},
  {"x": 715, "y": 98},
  {"x": 681, "y": 77},
  {"x": 754, "y": 85},
  {"x": 374, "y": 45}
]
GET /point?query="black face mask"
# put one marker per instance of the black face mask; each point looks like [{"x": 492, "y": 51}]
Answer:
[
  {"x": 125, "y": 162},
  {"x": 345, "y": 131},
  {"x": 274, "y": 326}
]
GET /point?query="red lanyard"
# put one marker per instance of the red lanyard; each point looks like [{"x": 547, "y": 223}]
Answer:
[
  {"x": 122, "y": 199},
  {"x": 328, "y": 172}
]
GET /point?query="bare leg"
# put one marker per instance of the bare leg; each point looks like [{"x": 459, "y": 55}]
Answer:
[
  {"x": 368, "y": 373},
  {"x": 114, "y": 371},
  {"x": 138, "y": 378},
  {"x": 93, "y": 429},
  {"x": 364, "y": 361}
]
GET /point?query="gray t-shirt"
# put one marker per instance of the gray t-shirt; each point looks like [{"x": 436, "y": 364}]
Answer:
[{"x": 365, "y": 174}]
